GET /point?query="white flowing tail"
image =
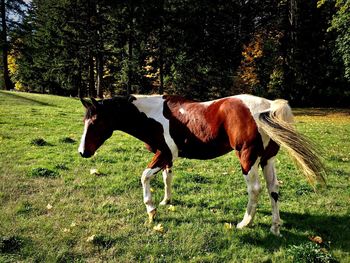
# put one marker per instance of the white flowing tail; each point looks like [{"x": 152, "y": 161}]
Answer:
[{"x": 277, "y": 123}]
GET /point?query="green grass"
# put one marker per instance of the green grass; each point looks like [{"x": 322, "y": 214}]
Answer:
[{"x": 53, "y": 210}]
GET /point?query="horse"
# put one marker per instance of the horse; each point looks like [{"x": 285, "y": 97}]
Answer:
[{"x": 172, "y": 126}]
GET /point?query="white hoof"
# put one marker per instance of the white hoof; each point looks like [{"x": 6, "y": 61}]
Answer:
[
  {"x": 165, "y": 202},
  {"x": 241, "y": 225}
]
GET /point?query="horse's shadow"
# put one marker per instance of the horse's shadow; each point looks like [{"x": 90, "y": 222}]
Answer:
[{"x": 297, "y": 228}]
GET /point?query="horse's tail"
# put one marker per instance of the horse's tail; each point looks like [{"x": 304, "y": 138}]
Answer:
[{"x": 277, "y": 123}]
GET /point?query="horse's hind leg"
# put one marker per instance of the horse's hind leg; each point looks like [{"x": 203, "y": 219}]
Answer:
[
  {"x": 254, "y": 188},
  {"x": 272, "y": 187},
  {"x": 167, "y": 178}
]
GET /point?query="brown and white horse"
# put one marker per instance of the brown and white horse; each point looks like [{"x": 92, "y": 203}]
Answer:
[{"x": 172, "y": 127}]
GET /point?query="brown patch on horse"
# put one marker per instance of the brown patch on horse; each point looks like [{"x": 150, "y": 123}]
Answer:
[
  {"x": 196, "y": 133},
  {"x": 205, "y": 131},
  {"x": 270, "y": 151}
]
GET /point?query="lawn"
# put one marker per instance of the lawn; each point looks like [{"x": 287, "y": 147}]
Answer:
[{"x": 53, "y": 210}]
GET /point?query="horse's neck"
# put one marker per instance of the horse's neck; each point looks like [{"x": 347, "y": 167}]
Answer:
[{"x": 139, "y": 120}]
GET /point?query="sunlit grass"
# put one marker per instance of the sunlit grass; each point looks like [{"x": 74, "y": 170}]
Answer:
[{"x": 78, "y": 216}]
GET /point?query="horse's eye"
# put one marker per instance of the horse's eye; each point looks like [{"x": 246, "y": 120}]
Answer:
[{"x": 93, "y": 119}]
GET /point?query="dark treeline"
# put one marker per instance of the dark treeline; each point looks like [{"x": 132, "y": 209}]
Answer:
[{"x": 294, "y": 49}]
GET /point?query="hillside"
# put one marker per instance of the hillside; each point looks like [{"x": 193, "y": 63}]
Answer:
[{"x": 53, "y": 210}]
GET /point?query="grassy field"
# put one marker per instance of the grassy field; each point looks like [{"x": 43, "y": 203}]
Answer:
[{"x": 53, "y": 210}]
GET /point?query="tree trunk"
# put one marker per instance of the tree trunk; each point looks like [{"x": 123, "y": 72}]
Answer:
[
  {"x": 130, "y": 46},
  {"x": 99, "y": 55},
  {"x": 161, "y": 72},
  {"x": 92, "y": 91},
  {"x": 6, "y": 77},
  {"x": 99, "y": 70},
  {"x": 91, "y": 23},
  {"x": 161, "y": 50}
]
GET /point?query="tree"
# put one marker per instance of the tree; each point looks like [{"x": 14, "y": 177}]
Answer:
[
  {"x": 197, "y": 48},
  {"x": 341, "y": 24},
  {"x": 16, "y": 8}
]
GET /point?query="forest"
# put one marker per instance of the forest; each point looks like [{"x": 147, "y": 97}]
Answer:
[{"x": 202, "y": 49}]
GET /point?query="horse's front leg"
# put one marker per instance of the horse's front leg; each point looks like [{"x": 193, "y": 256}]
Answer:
[
  {"x": 162, "y": 159},
  {"x": 147, "y": 175},
  {"x": 167, "y": 178}
]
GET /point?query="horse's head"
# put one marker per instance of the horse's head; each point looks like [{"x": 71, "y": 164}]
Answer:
[{"x": 97, "y": 130}]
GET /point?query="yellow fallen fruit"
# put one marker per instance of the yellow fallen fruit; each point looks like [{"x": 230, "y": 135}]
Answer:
[
  {"x": 152, "y": 190},
  {"x": 159, "y": 228}
]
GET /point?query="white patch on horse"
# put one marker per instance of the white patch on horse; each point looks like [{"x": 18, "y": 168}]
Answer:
[
  {"x": 81, "y": 148},
  {"x": 256, "y": 105},
  {"x": 152, "y": 106},
  {"x": 182, "y": 111}
]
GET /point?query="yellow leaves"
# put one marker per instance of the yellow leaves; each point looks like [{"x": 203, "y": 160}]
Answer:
[
  {"x": 70, "y": 228},
  {"x": 228, "y": 226},
  {"x": 49, "y": 207},
  {"x": 96, "y": 172},
  {"x": 13, "y": 68},
  {"x": 91, "y": 238},
  {"x": 12, "y": 64},
  {"x": 316, "y": 239},
  {"x": 320, "y": 3},
  {"x": 247, "y": 70},
  {"x": 19, "y": 86},
  {"x": 159, "y": 228},
  {"x": 171, "y": 208}
]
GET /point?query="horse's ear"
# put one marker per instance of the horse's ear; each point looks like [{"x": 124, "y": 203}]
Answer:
[
  {"x": 95, "y": 103},
  {"x": 131, "y": 98},
  {"x": 87, "y": 104}
]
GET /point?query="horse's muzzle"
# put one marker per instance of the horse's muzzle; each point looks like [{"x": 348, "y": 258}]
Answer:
[{"x": 85, "y": 154}]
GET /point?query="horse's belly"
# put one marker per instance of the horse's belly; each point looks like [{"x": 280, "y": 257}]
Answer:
[{"x": 204, "y": 151}]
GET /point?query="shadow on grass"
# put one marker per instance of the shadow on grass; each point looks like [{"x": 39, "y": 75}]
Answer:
[
  {"x": 332, "y": 229},
  {"x": 18, "y": 96},
  {"x": 296, "y": 229}
]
